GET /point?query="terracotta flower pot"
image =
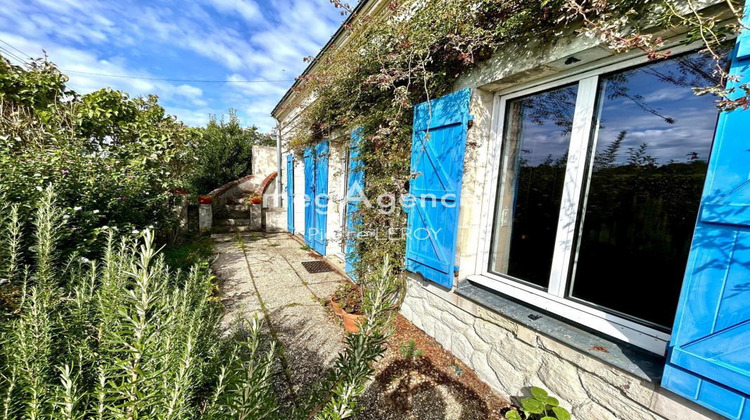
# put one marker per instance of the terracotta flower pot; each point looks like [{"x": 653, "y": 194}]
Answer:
[
  {"x": 256, "y": 199},
  {"x": 204, "y": 199},
  {"x": 351, "y": 321},
  {"x": 337, "y": 308}
]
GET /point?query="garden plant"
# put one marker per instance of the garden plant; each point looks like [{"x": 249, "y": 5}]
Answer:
[{"x": 127, "y": 337}]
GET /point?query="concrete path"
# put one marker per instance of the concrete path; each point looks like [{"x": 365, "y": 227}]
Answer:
[{"x": 262, "y": 274}]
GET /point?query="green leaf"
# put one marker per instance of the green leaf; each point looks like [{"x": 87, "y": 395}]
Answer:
[
  {"x": 547, "y": 418},
  {"x": 561, "y": 413},
  {"x": 533, "y": 406},
  {"x": 513, "y": 415},
  {"x": 551, "y": 401},
  {"x": 538, "y": 393}
]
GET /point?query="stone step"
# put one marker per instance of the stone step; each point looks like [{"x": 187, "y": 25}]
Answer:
[
  {"x": 237, "y": 201},
  {"x": 234, "y": 222},
  {"x": 234, "y": 229},
  {"x": 236, "y": 207},
  {"x": 234, "y": 211},
  {"x": 231, "y": 214}
]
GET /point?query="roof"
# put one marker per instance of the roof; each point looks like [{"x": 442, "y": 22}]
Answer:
[{"x": 339, "y": 32}]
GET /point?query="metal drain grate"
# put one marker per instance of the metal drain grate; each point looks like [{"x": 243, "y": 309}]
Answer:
[{"x": 314, "y": 267}]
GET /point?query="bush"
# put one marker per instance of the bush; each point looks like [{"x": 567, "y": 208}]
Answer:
[
  {"x": 126, "y": 338},
  {"x": 122, "y": 338},
  {"x": 113, "y": 159},
  {"x": 225, "y": 153}
]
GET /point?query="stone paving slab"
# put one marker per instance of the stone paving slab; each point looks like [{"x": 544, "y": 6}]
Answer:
[{"x": 262, "y": 274}]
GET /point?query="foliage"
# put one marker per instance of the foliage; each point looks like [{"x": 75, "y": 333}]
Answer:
[
  {"x": 122, "y": 337},
  {"x": 348, "y": 296},
  {"x": 539, "y": 406},
  {"x": 126, "y": 338},
  {"x": 413, "y": 51},
  {"x": 336, "y": 397},
  {"x": 188, "y": 251},
  {"x": 114, "y": 159},
  {"x": 224, "y": 153},
  {"x": 409, "y": 350},
  {"x": 623, "y": 32}
]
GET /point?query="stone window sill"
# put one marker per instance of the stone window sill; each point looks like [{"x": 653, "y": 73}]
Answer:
[{"x": 640, "y": 363}]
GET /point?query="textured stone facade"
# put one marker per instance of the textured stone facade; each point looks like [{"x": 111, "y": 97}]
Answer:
[{"x": 511, "y": 357}]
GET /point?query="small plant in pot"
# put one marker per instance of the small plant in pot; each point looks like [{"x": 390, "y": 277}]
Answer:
[{"x": 347, "y": 303}]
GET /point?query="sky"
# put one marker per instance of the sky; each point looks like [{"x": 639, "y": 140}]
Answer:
[
  {"x": 184, "y": 41},
  {"x": 643, "y": 114}
]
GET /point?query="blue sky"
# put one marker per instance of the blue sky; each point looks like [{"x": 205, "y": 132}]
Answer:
[{"x": 187, "y": 40}]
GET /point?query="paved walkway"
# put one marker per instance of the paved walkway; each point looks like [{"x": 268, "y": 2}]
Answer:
[{"x": 262, "y": 274}]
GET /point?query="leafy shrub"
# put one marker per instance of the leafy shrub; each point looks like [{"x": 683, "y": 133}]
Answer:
[
  {"x": 113, "y": 159},
  {"x": 225, "y": 153},
  {"x": 540, "y": 406}
]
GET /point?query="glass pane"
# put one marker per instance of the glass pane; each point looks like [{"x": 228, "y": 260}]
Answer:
[
  {"x": 537, "y": 138},
  {"x": 653, "y": 141}
]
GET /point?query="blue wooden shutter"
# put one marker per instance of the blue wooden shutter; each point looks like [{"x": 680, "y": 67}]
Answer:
[
  {"x": 355, "y": 187},
  {"x": 708, "y": 359},
  {"x": 309, "y": 194},
  {"x": 321, "y": 197},
  {"x": 290, "y": 193},
  {"x": 437, "y": 164}
]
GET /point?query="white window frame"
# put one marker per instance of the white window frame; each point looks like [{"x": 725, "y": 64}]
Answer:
[{"x": 553, "y": 299}]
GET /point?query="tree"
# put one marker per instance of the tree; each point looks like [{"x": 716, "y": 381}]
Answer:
[{"x": 225, "y": 152}]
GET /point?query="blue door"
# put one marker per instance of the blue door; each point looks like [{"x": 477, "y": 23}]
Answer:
[
  {"x": 316, "y": 196},
  {"x": 321, "y": 198},
  {"x": 309, "y": 194},
  {"x": 708, "y": 359},
  {"x": 437, "y": 163},
  {"x": 355, "y": 190},
  {"x": 290, "y": 193}
]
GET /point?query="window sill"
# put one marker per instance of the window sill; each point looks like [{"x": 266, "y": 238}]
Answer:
[{"x": 640, "y": 363}]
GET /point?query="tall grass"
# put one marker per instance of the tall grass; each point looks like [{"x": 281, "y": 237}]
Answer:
[
  {"x": 125, "y": 338},
  {"x": 120, "y": 338}
]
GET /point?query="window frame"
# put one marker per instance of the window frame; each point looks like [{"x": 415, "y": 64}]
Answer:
[{"x": 583, "y": 139}]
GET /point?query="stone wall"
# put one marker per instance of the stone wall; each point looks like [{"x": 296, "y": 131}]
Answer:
[
  {"x": 264, "y": 160},
  {"x": 511, "y": 357}
]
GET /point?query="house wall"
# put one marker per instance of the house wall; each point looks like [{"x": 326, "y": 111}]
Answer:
[
  {"x": 336, "y": 196},
  {"x": 507, "y": 355},
  {"x": 510, "y": 357},
  {"x": 338, "y": 149},
  {"x": 299, "y": 195}
]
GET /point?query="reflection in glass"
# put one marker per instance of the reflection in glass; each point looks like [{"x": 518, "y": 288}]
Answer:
[
  {"x": 537, "y": 138},
  {"x": 653, "y": 141}
]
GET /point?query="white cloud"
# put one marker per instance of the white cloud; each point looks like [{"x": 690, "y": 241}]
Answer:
[
  {"x": 249, "y": 10},
  {"x": 246, "y": 40}
]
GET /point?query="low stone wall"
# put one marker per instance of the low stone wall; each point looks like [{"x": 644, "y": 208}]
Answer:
[
  {"x": 244, "y": 185},
  {"x": 511, "y": 357}
]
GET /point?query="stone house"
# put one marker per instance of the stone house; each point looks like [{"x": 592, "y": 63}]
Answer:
[{"x": 601, "y": 248}]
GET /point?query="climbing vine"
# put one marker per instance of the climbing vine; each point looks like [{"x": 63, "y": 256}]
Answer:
[{"x": 415, "y": 50}]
